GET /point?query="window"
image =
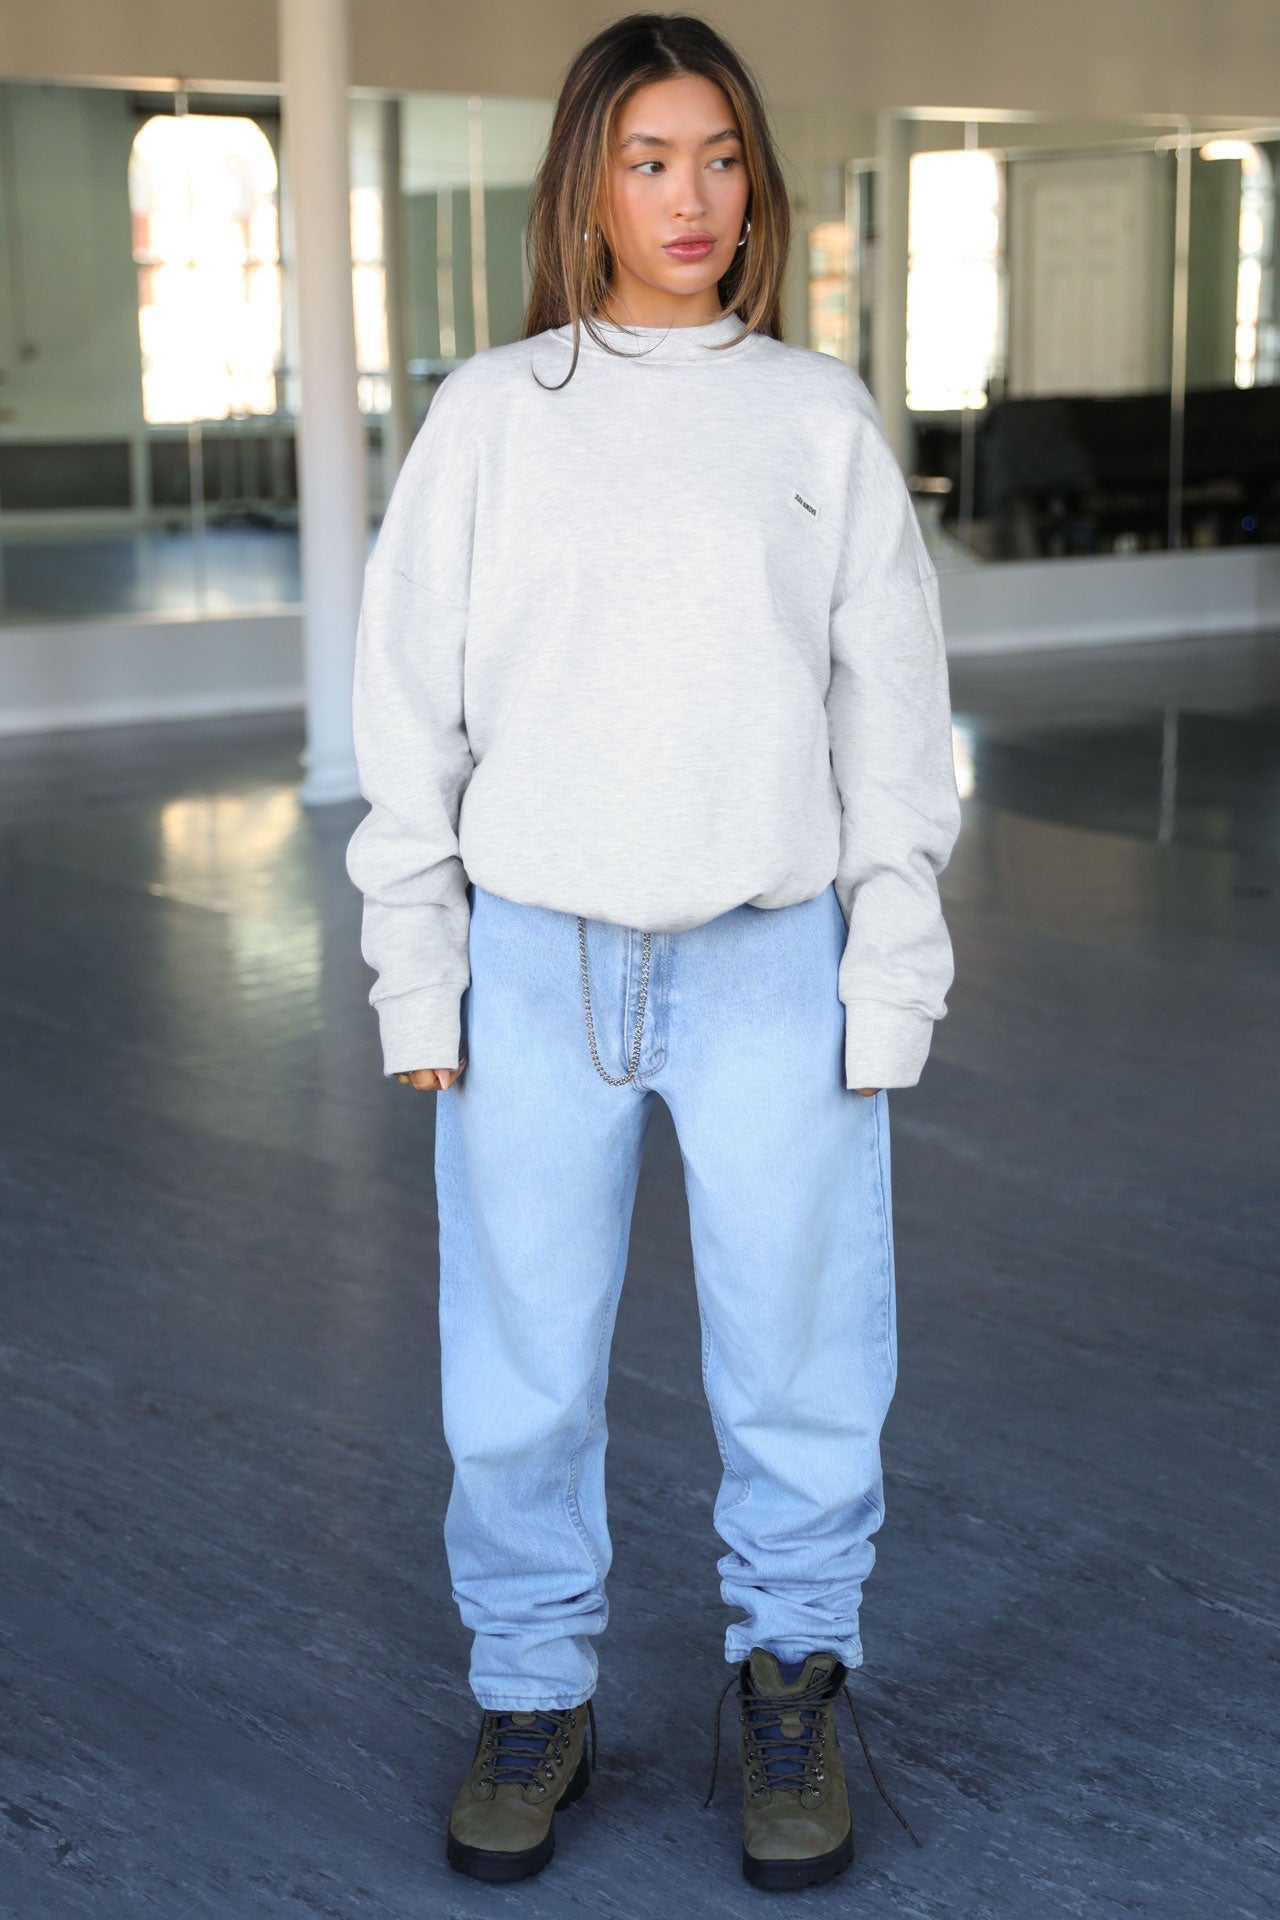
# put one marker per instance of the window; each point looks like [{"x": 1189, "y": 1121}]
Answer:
[
  {"x": 369, "y": 296},
  {"x": 829, "y": 289},
  {"x": 206, "y": 239},
  {"x": 1257, "y": 361},
  {"x": 953, "y": 278}
]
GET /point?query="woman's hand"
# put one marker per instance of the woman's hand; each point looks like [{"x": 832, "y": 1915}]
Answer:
[
  {"x": 868, "y": 1092},
  {"x": 432, "y": 1079}
]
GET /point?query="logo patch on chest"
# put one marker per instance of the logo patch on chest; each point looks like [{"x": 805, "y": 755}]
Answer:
[{"x": 805, "y": 505}]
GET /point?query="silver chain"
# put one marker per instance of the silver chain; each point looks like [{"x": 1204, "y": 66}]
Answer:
[{"x": 630, "y": 1075}]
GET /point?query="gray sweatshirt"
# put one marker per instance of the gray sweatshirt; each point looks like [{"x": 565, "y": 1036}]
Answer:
[{"x": 645, "y": 648}]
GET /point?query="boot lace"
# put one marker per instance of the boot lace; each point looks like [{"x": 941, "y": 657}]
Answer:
[
  {"x": 780, "y": 1762},
  {"x": 522, "y": 1753}
]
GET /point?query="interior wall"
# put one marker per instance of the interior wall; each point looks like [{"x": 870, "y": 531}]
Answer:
[
  {"x": 76, "y": 370},
  {"x": 813, "y": 147},
  {"x": 69, "y": 198},
  {"x": 1143, "y": 56},
  {"x": 505, "y": 209},
  {"x": 829, "y": 73}
]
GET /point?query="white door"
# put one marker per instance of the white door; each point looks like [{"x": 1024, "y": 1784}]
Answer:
[{"x": 1090, "y": 273}]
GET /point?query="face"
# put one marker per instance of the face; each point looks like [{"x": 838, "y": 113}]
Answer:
[{"x": 676, "y": 173}]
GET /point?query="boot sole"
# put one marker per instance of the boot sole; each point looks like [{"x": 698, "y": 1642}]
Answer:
[
  {"x": 487, "y": 1863},
  {"x": 782, "y": 1876}
]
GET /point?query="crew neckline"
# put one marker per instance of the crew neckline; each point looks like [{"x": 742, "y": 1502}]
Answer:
[{"x": 686, "y": 346}]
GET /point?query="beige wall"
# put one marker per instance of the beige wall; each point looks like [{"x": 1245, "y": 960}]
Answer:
[{"x": 1200, "y": 57}]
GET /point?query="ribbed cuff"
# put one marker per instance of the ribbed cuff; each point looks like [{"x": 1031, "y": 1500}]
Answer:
[
  {"x": 884, "y": 1045},
  {"x": 421, "y": 1029}
]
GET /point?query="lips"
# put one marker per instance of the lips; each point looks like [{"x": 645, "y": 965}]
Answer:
[{"x": 690, "y": 249}]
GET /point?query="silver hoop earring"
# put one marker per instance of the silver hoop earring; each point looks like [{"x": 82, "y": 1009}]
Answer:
[{"x": 743, "y": 241}]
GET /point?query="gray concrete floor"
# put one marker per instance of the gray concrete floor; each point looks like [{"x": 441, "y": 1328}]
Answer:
[{"x": 232, "y": 1680}]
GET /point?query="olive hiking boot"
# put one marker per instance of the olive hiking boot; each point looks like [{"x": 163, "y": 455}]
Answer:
[
  {"x": 796, "y": 1825},
  {"x": 525, "y": 1765}
]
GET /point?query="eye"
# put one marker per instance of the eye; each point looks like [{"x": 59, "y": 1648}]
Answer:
[{"x": 725, "y": 160}]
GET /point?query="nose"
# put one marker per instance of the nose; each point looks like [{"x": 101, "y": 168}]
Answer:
[{"x": 688, "y": 196}]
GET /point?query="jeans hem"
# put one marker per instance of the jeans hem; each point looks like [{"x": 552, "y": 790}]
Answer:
[
  {"x": 849, "y": 1652},
  {"x": 511, "y": 1700}
]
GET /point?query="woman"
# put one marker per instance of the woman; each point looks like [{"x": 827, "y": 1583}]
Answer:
[{"x": 652, "y": 713}]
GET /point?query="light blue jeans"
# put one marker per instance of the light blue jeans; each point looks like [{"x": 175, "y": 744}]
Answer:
[{"x": 788, "y": 1182}]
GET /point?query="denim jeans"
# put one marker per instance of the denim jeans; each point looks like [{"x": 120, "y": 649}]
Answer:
[{"x": 787, "y": 1176}]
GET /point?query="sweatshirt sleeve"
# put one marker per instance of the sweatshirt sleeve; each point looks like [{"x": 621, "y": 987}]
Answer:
[
  {"x": 411, "y": 745},
  {"x": 889, "y": 713}
]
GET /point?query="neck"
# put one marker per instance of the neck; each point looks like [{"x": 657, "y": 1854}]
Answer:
[
  {"x": 692, "y": 311},
  {"x": 705, "y": 342}
]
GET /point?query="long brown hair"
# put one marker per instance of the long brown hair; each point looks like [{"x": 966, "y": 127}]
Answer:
[{"x": 569, "y": 277}]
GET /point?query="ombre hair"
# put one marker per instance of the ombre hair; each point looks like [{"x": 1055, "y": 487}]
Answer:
[{"x": 569, "y": 276}]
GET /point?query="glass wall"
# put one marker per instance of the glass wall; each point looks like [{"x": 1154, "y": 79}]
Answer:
[
  {"x": 1230, "y": 431},
  {"x": 1072, "y": 328},
  {"x": 1091, "y": 338},
  {"x": 146, "y": 451},
  {"x": 148, "y": 381},
  {"x": 451, "y": 177}
]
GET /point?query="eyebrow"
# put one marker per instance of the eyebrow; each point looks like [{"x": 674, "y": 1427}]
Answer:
[{"x": 656, "y": 140}]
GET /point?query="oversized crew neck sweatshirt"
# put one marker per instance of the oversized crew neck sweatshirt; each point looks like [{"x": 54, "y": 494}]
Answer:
[{"x": 645, "y": 647}]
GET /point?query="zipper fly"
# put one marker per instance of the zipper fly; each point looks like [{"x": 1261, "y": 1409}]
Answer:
[{"x": 629, "y": 1077}]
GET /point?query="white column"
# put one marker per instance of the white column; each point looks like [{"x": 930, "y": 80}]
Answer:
[
  {"x": 331, "y": 449},
  {"x": 889, "y": 329},
  {"x": 398, "y": 430}
]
